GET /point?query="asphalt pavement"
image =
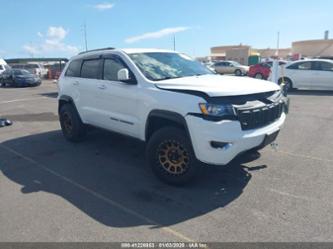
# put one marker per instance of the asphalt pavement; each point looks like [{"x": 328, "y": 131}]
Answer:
[{"x": 102, "y": 189}]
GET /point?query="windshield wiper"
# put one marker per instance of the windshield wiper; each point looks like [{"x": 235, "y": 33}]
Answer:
[{"x": 169, "y": 78}]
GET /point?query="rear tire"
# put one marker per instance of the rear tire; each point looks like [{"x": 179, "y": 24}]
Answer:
[
  {"x": 171, "y": 157},
  {"x": 72, "y": 127}
]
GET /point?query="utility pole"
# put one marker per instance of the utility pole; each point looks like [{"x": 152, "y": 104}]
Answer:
[
  {"x": 278, "y": 43},
  {"x": 85, "y": 35}
]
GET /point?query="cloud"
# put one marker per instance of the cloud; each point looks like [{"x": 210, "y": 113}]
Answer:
[
  {"x": 52, "y": 43},
  {"x": 56, "y": 33},
  {"x": 104, "y": 6},
  {"x": 156, "y": 34}
]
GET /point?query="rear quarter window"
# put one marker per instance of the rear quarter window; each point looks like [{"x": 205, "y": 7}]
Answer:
[
  {"x": 301, "y": 65},
  {"x": 74, "y": 68}
]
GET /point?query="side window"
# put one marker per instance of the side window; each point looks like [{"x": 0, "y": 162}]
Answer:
[
  {"x": 74, "y": 69},
  {"x": 111, "y": 68},
  {"x": 301, "y": 66},
  {"x": 91, "y": 69},
  {"x": 325, "y": 66}
]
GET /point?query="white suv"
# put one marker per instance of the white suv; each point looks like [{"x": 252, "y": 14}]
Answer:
[{"x": 184, "y": 112}]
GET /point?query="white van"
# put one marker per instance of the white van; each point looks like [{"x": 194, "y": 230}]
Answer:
[{"x": 3, "y": 65}]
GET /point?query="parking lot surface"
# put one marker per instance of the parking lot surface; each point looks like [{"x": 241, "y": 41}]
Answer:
[{"x": 102, "y": 190}]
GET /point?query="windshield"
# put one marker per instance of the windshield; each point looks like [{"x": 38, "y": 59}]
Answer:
[
  {"x": 21, "y": 72},
  {"x": 160, "y": 66}
]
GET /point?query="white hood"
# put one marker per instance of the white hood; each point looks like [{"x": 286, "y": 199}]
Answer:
[{"x": 219, "y": 85}]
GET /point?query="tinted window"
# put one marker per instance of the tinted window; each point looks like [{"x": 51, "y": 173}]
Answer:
[
  {"x": 91, "y": 69},
  {"x": 29, "y": 66},
  {"x": 21, "y": 72},
  {"x": 325, "y": 66},
  {"x": 17, "y": 66},
  {"x": 220, "y": 64},
  {"x": 111, "y": 68},
  {"x": 74, "y": 69},
  {"x": 301, "y": 66}
]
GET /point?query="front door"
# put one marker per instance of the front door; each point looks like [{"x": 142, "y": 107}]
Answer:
[{"x": 118, "y": 101}]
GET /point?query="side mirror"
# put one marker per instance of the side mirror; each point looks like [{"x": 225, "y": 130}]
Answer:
[{"x": 123, "y": 75}]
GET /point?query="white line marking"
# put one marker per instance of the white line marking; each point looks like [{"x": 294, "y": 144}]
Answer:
[
  {"x": 21, "y": 100},
  {"x": 99, "y": 196}
]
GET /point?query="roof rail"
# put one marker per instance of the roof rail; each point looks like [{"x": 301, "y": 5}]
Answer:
[{"x": 98, "y": 49}]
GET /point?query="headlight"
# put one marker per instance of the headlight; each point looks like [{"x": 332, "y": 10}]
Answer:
[{"x": 215, "y": 110}]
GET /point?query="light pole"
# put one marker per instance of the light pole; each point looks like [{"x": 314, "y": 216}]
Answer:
[{"x": 85, "y": 35}]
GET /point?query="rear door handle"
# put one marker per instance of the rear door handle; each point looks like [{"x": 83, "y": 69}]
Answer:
[{"x": 102, "y": 87}]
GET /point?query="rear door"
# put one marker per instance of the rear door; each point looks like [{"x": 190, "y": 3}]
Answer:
[
  {"x": 220, "y": 67},
  {"x": 89, "y": 93},
  {"x": 323, "y": 75},
  {"x": 229, "y": 68}
]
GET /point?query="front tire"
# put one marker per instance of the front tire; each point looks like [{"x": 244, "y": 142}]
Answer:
[
  {"x": 238, "y": 72},
  {"x": 259, "y": 76},
  {"x": 288, "y": 85},
  {"x": 171, "y": 157},
  {"x": 72, "y": 127}
]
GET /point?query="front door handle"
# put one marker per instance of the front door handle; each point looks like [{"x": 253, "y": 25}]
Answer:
[{"x": 102, "y": 87}]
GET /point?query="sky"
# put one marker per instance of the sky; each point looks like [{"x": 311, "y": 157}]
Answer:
[{"x": 45, "y": 28}]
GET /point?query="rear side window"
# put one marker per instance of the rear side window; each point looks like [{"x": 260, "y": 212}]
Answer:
[
  {"x": 325, "y": 66},
  {"x": 30, "y": 66},
  {"x": 301, "y": 66},
  {"x": 74, "y": 69},
  {"x": 91, "y": 69}
]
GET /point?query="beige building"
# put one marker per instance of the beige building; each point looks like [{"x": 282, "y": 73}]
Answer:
[
  {"x": 239, "y": 53},
  {"x": 270, "y": 52},
  {"x": 313, "y": 48}
]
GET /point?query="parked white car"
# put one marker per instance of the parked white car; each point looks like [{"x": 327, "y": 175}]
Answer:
[
  {"x": 183, "y": 111},
  {"x": 316, "y": 74}
]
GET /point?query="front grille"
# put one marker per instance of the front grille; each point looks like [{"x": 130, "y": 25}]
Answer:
[{"x": 259, "y": 117}]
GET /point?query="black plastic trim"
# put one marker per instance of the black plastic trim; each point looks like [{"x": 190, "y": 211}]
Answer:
[{"x": 169, "y": 115}]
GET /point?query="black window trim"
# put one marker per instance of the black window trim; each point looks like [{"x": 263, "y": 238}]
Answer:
[
  {"x": 81, "y": 62},
  {"x": 100, "y": 73}
]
